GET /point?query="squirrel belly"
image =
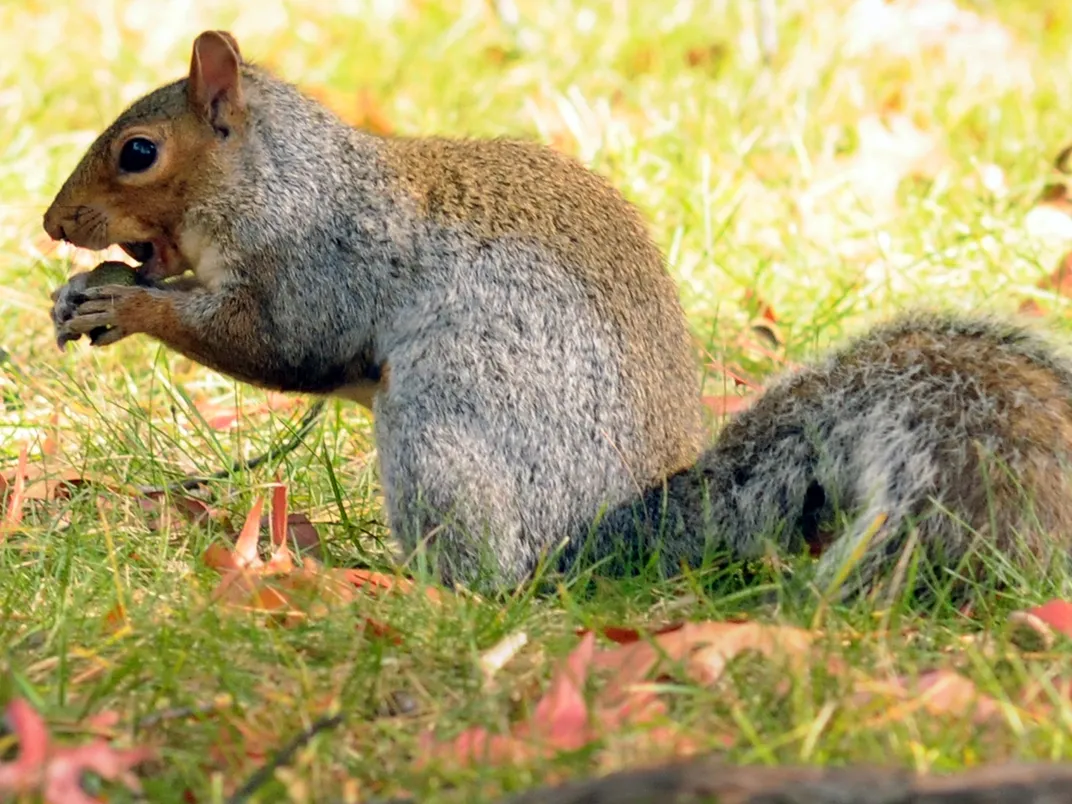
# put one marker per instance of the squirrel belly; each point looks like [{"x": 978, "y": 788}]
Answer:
[{"x": 957, "y": 430}]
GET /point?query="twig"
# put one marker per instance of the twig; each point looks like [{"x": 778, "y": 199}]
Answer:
[
  {"x": 305, "y": 426},
  {"x": 177, "y": 713},
  {"x": 283, "y": 757}
]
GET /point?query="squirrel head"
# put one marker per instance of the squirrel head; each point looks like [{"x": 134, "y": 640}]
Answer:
[{"x": 166, "y": 151}]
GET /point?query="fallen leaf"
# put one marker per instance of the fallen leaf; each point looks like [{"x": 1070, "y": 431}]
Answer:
[
  {"x": 626, "y": 636},
  {"x": 42, "y": 483},
  {"x": 377, "y": 581},
  {"x": 936, "y": 692},
  {"x": 1034, "y": 629},
  {"x": 56, "y": 771},
  {"x": 702, "y": 649},
  {"x": 561, "y": 717},
  {"x": 278, "y": 586},
  {"x": 559, "y": 722},
  {"x": 301, "y": 533},
  {"x": 223, "y": 417},
  {"x": 15, "y": 497},
  {"x": 160, "y": 508}
]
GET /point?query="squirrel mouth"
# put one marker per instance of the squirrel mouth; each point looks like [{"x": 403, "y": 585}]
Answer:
[{"x": 156, "y": 258}]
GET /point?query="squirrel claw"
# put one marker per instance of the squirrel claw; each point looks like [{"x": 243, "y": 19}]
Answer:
[{"x": 92, "y": 311}]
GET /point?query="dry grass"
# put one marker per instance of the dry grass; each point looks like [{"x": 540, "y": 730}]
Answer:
[{"x": 861, "y": 171}]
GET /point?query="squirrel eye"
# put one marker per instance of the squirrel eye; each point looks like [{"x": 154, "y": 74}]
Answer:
[{"x": 138, "y": 155}]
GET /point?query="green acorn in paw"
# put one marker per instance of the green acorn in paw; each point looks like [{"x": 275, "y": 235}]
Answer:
[
  {"x": 111, "y": 273},
  {"x": 65, "y": 298}
]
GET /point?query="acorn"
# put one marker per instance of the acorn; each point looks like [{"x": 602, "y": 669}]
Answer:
[{"x": 109, "y": 273}]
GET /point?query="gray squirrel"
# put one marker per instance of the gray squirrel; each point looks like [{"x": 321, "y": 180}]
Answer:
[{"x": 508, "y": 319}]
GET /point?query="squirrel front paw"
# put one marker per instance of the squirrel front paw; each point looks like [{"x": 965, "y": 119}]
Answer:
[
  {"x": 64, "y": 304},
  {"x": 86, "y": 305}
]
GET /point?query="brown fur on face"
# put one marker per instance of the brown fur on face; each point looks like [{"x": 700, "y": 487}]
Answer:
[{"x": 100, "y": 204}]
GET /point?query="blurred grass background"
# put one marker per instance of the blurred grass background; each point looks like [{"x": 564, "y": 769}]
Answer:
[{"x": 882, "y": 154}]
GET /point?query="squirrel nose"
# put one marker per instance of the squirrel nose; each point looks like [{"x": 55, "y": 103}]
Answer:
[{"x": 54, "y": 226}]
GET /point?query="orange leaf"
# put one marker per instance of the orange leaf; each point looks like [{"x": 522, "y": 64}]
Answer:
[
  {"x": 278, "y": 531},
  {"x": 245, "y": 549},
  {"x": 705, "y": 648},
  {"x": 16, "y": 498},
  {"x": 1057, "y": 614},
  {"x": 936, "y": 692},
  {"x": 375, "y": 581}
]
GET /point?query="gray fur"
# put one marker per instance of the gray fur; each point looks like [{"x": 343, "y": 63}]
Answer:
[
  {"x": 538, "y": 358},
  {"x": 957, "y": 427}
]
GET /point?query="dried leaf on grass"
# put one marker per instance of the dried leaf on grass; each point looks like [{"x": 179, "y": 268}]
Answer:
[
  {"x": 12, "y": 495},
  {"x": 1037, "y": 628},
  {"x": 563, "y": 721},
  {"x": 560, "y": 722},
  {"x": 54, "y": 771},
  {"x": 937, "y": 693},
  {"x": 277, "y": 585}
]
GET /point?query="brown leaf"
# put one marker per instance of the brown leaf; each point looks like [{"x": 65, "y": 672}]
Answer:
[
  {"x": 15, "y": 498},
  {"x": 160, "y": 509},
  {"x": 278, "y": 586},
  {"x": 300, "y": 532}
]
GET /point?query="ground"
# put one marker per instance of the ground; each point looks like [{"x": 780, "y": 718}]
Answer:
[{"x": 875, "y": 156}]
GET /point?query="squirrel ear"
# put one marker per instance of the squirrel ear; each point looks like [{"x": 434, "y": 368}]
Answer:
[{"x": 214, "y": 77}]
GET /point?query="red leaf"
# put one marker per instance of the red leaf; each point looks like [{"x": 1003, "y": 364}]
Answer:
[
  {"x": 278, "y": 531},
  {"x": 1057, "y": 614},
  {"x": 1034, "y": 629},
  {"x": 561, "y": 717},
  {"x": 57, "y": 771}
]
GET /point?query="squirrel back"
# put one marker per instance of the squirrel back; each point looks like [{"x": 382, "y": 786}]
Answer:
[{"x": 952, "y": 431}]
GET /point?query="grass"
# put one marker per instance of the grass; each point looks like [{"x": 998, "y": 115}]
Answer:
[{"x": 763, "y": 183}]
